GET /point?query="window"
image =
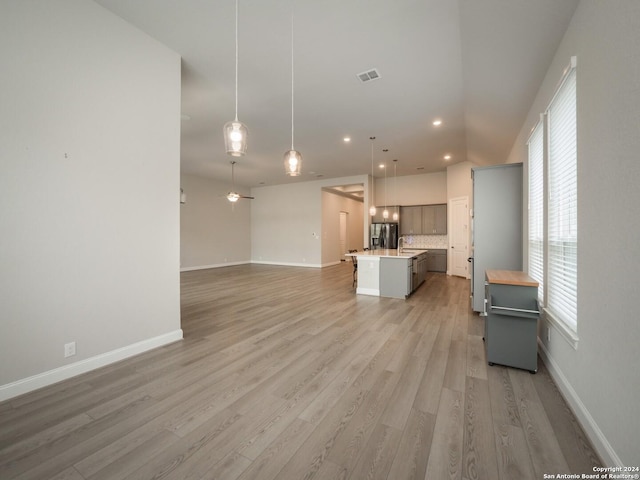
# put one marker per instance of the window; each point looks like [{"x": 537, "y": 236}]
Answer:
[
  {"x": 562, "y": 218},
  {"x": 553, "y": 207},
  {"x": 536, "y": 210}
]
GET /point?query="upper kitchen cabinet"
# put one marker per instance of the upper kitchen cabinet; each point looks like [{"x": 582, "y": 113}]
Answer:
[
  {"x": 434, "y": 219},
  {"x": 411, "y": 220}
]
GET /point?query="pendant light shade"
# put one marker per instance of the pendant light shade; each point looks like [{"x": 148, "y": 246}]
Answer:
[
  {"x": 372, "y": 208},
  {"x": 293, "y": 163},
  {"x": 292, "y": 158},
  {"x": 236, "y": 132},
  {"x": 235, "y": 138}
]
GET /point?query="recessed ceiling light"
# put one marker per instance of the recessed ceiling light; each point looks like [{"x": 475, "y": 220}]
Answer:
[
  {"x": 381, "y": 165},
  {"x": 447, "y": 157},
  {"x": 437, "y": 122},
  {"x": 347, "y": 139}
]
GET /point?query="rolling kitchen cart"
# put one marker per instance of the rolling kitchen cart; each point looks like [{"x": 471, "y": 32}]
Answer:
[{"x": 511, "y": 324}]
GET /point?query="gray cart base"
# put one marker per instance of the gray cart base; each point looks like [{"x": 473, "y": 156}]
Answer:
[{"x": 511, "y": 326}]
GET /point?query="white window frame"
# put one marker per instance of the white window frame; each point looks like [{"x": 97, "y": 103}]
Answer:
[{"x": 559, "y": 294}]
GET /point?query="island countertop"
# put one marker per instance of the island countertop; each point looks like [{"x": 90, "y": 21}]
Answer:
[
  {"x": 393, "y": 273},
  {"x": 389, "y": 253}
]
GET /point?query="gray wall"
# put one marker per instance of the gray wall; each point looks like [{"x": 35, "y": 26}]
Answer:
[
  {"x": 422, "y": 189},
  {"x": 286, "y": 222},
  {"x": 89, "y": 251},
  {"x": 332, "y": 205},
  {"x": 213, "y": 232},
  {"x": 601, "y": 378}
]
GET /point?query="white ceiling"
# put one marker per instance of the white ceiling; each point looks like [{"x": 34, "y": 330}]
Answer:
[{"x": 475, "y": 64}]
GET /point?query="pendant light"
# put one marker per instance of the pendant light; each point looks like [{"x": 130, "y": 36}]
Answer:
[
  {"x": 236, "y": 133},
  {"x": 372, "y": 209},
  {"x": 292, "y": 158},
  {"x": 385, "y": 212},
  {"x": 395, "y": 190}
]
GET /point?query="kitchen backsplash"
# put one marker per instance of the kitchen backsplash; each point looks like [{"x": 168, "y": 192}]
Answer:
[{"x": 426, "y": 241}]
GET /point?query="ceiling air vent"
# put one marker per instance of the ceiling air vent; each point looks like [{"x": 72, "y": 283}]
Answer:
[{"x": 369, "y": 75}]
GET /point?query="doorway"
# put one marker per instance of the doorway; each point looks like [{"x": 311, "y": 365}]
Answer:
[{"x": 344, "y": 234}]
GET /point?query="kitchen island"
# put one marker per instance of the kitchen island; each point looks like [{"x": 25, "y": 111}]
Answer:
[{"x": 390, "y": 273}]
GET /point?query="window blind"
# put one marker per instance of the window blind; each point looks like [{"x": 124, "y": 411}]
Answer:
[
  {"x": 562, "y": 205},
  {"x": 536, "y": 207}
]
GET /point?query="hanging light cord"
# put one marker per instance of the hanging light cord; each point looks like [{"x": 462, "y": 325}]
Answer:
[
  {"x": 236, "y": 60},
  {"x": 233, "y": 177},
  {"x": 292, "y": 80},
  {"x": 395, "y": 186},
  {"x": 385, "y": 185},
  {"x": 373, "y": 181}
]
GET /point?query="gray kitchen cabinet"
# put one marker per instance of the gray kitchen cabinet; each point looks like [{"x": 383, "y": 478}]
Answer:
[
  {"x": 437, "y": 260},
  {"x": 422, "y": 268},
  {"x": 411, "y": 220},
  {"x": 434, "y": 219},
  {"x": 395, "y": 277}
]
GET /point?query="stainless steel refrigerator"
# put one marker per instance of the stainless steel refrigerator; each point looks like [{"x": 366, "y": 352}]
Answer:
[
  {"x": 496, "y": 225},
  {"x": 383, "y": 235}
]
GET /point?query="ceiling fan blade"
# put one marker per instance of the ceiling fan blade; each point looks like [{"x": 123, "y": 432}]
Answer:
[{"x": 244, "y": 196}]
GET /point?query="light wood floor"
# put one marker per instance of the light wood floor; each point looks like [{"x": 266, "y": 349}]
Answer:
[{"x": 286, "y": 374}]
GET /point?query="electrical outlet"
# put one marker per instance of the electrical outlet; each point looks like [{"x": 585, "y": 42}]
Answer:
[{"x": 69, "y": 349}]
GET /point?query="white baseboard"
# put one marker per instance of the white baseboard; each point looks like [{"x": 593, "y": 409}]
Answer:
[
  {"x": 288, "y": 264},
  {"x": 259, "y": 262},
  {"x": 368, "y": 291},
  {"x": 56, "y": 375},
  {"x": 215, "y": 265},
  {"x": 586, "y": 421}
]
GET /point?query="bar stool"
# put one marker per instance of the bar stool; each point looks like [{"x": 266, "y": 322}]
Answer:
[{"x": 354, "y": 260}]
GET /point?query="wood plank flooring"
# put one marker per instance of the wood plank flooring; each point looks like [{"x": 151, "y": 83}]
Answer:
[{"x": 285, "y": 373}]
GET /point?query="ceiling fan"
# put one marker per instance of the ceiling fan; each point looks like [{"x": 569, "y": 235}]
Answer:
[{"x": 233, "y": 196}]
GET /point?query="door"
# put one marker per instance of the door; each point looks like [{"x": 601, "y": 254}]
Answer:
[
  {"x": 343, "y": 234},
  {"x": 459, "y": 238}
]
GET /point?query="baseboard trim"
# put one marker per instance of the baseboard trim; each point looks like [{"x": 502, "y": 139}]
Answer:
[
  {"x": 215, "y": 265},
  {"x": 56, "y": 375},
  {"x": 586, "y": 421},
  {"x": 259, "y": 262},
  {"x": 288, "y": 264},
  {"x": 368, "y": 291}
]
